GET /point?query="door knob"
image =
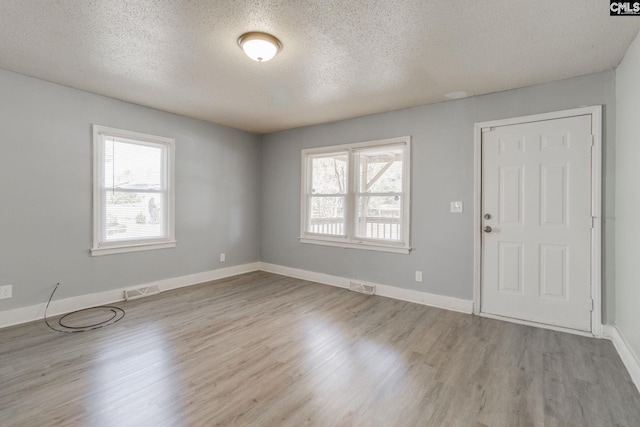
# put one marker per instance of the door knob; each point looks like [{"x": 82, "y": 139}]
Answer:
[{"x": 487, "y": 229}]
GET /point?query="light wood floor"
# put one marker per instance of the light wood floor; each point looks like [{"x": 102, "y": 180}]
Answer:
[{"x": 266, "y": 350}]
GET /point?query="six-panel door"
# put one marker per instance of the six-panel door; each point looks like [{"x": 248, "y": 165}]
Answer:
[{"x": 536, "y": 191}]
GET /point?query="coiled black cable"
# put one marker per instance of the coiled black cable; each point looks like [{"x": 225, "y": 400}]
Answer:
[{"x": 117, "y": 315}]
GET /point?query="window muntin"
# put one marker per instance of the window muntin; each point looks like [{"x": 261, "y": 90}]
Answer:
[
  {"x": 357, "y": 195},
  {"x": 133, "y": 191}
]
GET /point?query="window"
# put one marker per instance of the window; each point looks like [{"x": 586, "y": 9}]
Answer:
[
  {"x": 133, "y": 199},
  {"x": 357, "y": 195}
]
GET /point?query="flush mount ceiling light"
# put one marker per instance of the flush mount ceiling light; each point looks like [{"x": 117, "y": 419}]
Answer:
[{"x": 260, "y": 47}]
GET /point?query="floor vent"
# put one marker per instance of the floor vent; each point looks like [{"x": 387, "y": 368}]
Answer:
[
  {"x": 362, "y": 288},
  {"x": 141, "y": 292}
]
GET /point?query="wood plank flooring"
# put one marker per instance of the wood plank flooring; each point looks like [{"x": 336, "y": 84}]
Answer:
[{"x": 266, "y": 350}]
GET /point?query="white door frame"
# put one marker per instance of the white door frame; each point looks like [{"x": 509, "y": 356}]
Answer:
[{"x": 596, "y": 208}]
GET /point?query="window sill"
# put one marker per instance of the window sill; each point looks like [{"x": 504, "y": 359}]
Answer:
[
  {"x": 108, "y": 250},
  {"x": 352, "y": 245}
]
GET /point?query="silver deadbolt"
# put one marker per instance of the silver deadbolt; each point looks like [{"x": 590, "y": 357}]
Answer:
[
  {"x": 487, "y": 229},
  {"x": 487, "y": 216}
]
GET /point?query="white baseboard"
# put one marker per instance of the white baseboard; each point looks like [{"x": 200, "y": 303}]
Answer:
[
  {"x": 424, "y": 298},
  {"x": 207, "y": 276},
  {"x": 36, "y": 312},
  {"x": 629, "y": 358}
]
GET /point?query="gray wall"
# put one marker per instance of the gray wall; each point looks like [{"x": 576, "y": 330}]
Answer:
[
  {"x": 628, "y": 198},
  {"x": 46, "y": 185},
  {"x": 442, "y": 171},
  {"x": 238, "y": 196}
]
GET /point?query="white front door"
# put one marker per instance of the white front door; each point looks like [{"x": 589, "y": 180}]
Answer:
[{"x": 536, "y": 208}]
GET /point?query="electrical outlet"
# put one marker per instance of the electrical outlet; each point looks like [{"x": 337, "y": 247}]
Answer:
[
  {"x": 223, "y": 257},
  {"x": 5, "y": 291},
  {"x": 418, "y": 276}
]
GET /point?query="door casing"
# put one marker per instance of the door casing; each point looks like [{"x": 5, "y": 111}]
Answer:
[{"x": 596, "y": 208}]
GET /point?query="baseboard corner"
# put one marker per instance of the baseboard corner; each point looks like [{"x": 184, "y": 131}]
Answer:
[{"x": 626, "y": 353}]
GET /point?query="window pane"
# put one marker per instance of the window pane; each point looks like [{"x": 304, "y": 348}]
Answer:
[
  {"x": 380, "y": 170},
  {"x": 132, "y": 216},
  {"x": 329, "y": 174},
  {"x": 327, "y": 215},
  {"x": 379, "y": 217},
  {"x": 132, "y": 166}
]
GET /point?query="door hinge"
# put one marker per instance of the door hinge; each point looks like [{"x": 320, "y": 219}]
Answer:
[
  {"x": 593, "y": 140},
  {"x": 593, "y": 222},
  {"x": 593, "y": 304}
]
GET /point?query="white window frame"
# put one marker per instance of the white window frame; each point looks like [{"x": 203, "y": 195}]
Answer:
[
  {"x": 100, "y": 245},
  {"x": 350, "y": 240}
]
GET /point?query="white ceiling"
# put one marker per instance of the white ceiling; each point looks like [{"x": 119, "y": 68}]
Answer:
[{"x": 340, "y": 58}]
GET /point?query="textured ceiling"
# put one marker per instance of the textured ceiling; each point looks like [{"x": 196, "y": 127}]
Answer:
[{"x": 340, "y": 58}]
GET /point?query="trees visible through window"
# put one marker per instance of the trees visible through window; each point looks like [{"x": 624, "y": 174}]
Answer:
[
  {"x": 328, "y": 193},
  {"x": 357, "y": 195}
]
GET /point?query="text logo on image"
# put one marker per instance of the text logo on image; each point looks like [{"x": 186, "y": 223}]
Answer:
[{"x": 624, "y": 8}]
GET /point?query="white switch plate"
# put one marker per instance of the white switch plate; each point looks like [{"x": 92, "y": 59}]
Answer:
[
  {"x": 5, "y": 291},
  {"x": 418, "y": 276},
  {"x": 223, "y": 257},
  {"x": 456, "y": 207}
]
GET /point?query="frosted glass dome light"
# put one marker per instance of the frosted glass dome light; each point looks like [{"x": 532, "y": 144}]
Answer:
[{"x": 260, "y": 47}]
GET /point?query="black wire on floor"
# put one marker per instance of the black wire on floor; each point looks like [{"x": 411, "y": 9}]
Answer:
[{"x": 117, "y": 315}]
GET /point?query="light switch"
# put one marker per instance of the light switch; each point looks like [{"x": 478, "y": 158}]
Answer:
[{"x": 456, "y": 207}]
